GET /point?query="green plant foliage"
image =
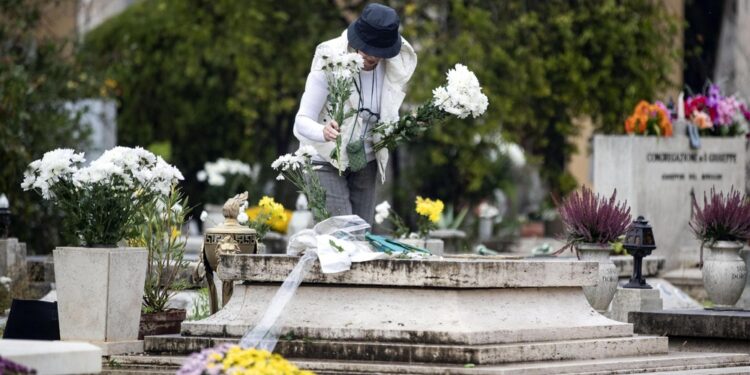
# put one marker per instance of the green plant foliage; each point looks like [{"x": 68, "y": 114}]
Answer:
[
  {"x": 37, "y": 77},
  {"x": 542, "y": 64},
  {"x": 219, "y": 78}
]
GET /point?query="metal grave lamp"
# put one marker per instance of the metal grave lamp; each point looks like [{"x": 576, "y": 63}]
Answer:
[
  {"x": 245, "y": 237},
  {"x": 4, "y": 216},
  {"x": 639, "y": 242}
]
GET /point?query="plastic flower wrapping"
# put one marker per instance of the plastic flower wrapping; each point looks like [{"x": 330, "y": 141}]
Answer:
[
  {"x": 717, "y": 114},
  {"x": 232, "y": 359},
  {"x": 649, "y": 119},
  {"x": 461, "y": 97}
]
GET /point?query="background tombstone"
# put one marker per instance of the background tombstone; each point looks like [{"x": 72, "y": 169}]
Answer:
[
  {"x": 100, "y": 117},
  {"x": 656, "y": 176}
]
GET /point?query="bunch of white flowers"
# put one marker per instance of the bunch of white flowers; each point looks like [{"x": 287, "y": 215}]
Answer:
[
  {"x": 215, "y": 172},
  {"x": 462, "y": 96},
  {"x": 298, "y": 169},
  {"x": 342, "y": 65},
  {"x": 384, "y": 212},
  {"x": 340, "y": 68},
  {"x": 102, "y": 199},
  {"x": 54, "y": 166}
]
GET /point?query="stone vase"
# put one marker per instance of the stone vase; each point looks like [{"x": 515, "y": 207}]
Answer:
[
  {"x": 433, "y": 245},
  {"x": 100, "y": 292},
  {"x": 724, "y": 273},
  {"x": 601, "y": 294}
]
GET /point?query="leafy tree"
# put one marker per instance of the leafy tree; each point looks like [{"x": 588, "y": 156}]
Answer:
[
  {"x": 213, "y": 78},
  {"x": 543, "y": 64},
  {"x": 37, "y": 77}
]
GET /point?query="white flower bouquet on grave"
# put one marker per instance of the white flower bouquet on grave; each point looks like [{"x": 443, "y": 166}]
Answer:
[
  {"x": 340, "y": 68},
  {"x": 298, "y": 169},
  {"x": 102, "y": 201},
  {"x": 461, "y": 97}
]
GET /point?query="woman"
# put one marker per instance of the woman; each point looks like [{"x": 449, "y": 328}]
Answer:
[{"x": 378, "y": 92}]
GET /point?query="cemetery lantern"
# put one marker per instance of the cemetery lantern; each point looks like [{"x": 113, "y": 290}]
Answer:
[
  {"x": 4, "y": 216},
  {"x": 639, "y": 242}
]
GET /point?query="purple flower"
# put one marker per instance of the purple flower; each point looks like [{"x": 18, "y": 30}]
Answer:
[
  {"x": 722, "y": 217},
  {"x": 592, "y": 218}
]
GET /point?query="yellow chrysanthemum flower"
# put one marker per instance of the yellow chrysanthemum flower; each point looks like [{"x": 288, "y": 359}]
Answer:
[{"x": 432, "y": 209}]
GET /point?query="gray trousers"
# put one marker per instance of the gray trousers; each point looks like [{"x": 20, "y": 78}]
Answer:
[{"x": 350, "y": 193}]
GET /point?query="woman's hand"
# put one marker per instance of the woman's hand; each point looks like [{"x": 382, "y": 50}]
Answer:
[{"x": 331, "y": 131}]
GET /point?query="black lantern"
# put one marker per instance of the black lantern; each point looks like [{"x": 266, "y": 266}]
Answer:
[
  {"x": 639, "y": 242},
  {"x": 4, "y": 216}
]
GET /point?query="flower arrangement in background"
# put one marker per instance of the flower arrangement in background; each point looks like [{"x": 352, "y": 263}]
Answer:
[
  {"x": 267, "y": 215},
  {"x": 428, "y": 212},
  {"x": 232, "y": 359},
  {"x": 591, "y": 218},
  {"x": 226, "y": 177},
  {"x": 649, "y": 119},
  {"x": 297, "y": 168},
  {"x": 340, "y": 68},
  {"x": 717, "y": 114},
  {"x": 102, "y": 201},
  {"x": 461, "y": 97}
]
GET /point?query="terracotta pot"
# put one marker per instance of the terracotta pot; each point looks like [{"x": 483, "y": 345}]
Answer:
[
  {"x": 724, "y": 273},
  {"x": 161, "y": 323}
]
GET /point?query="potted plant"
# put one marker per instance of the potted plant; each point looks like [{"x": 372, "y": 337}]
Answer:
[
  {"x": 723, "y": 226},
  {"x": 99, "y": 284},
  {"x": 161, "y": 235},
  {"x": 592, "y": 223},
  {"x": 428, "y": 215}
]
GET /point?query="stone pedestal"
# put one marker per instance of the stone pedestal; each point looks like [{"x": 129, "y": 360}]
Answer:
[
  {"x": 698, "y": 330},
  {"x": 53, "y": 357},
  {"x": 627, "y": 300}
]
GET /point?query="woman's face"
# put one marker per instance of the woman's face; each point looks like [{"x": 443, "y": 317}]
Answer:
[{"x": 370, "y": 61}]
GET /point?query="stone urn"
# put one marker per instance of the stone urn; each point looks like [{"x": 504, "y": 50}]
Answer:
[
  {"x": 100, "y": 292},
  {"x": 433, "y": 245},
  {"x": 601, "y": 294},
  {"x": 724, "y": 273}
]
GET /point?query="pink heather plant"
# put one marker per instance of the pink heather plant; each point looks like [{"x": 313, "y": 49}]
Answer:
[
  {"x": 722, "y": 217},
  {"x": 591, "y": 218}
]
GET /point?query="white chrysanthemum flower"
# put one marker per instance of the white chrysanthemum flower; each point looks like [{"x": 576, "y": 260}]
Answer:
[
  {"x": 305, "y": 150},
  {"x": 204, "y": 216},
  {"x": 379, "y": 218},
  {"x": 462, "y": 96},
  {"x": 177, "y": 208},
  {"x": 55, "y": 165},
  {"x": 201, "y": 176},
  {"x": 242, "y": 218},
  {"x": 280, "y": 177},
  {"x": 383, "y": 208}
]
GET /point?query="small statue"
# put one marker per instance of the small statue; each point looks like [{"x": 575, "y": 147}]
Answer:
[{"x": 232, "y": 206}]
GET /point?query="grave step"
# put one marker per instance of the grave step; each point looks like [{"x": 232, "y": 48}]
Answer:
[
  {"x": 460, "y": 354},
  {"x": 673, "y": 363}
]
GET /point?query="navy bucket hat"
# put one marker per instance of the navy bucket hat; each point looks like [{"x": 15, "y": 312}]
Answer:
[{"x": 375, "y": 32}]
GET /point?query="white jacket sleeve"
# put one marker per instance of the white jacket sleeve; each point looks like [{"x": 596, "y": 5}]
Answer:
[{"x": 306, "y": 126}]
